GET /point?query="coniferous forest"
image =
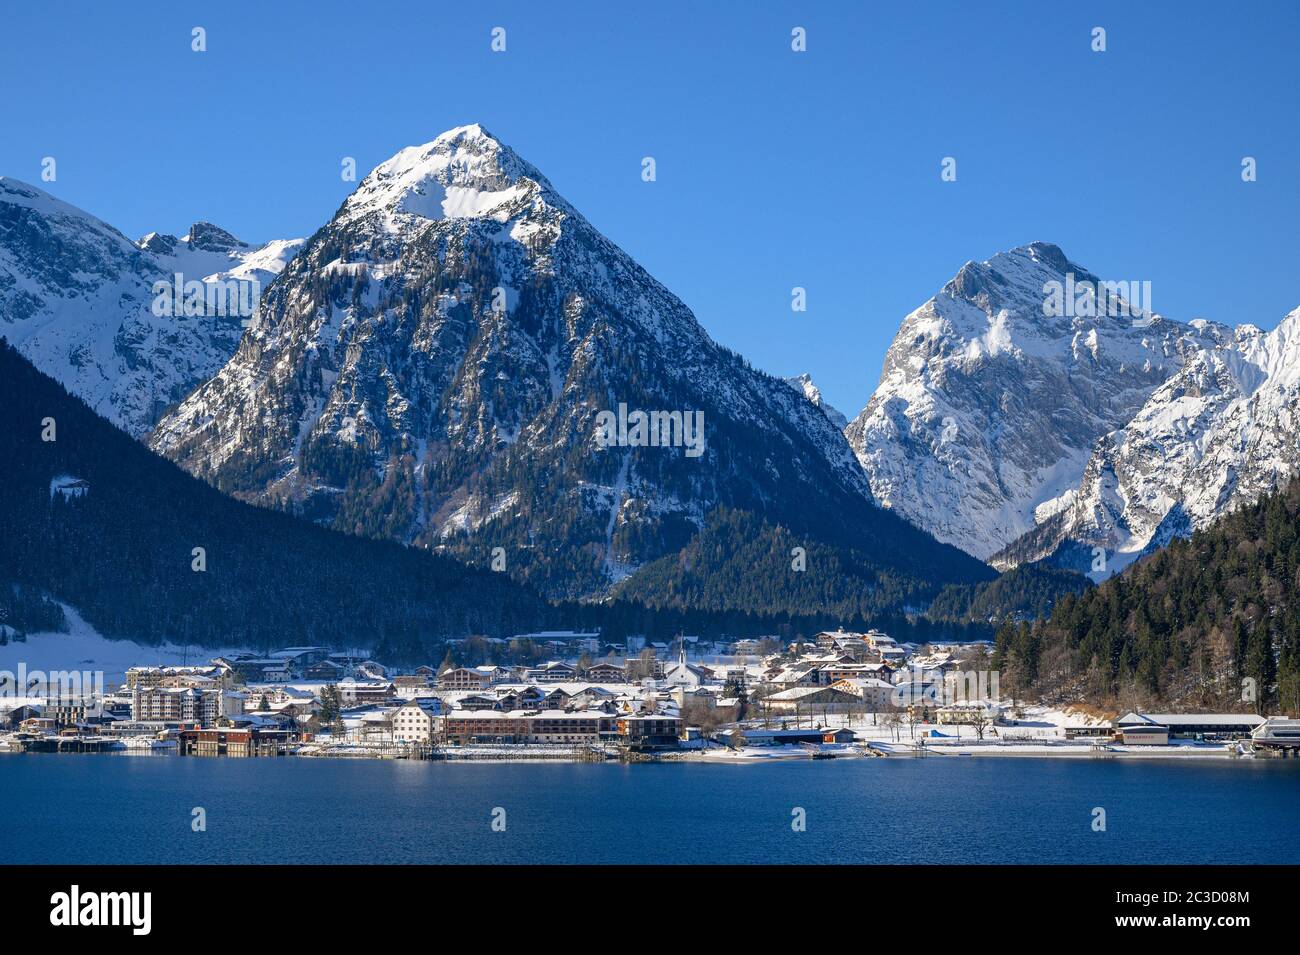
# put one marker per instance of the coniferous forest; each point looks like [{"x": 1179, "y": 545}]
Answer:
[
  {"x": 123, "y": 552},
  {"x": 1026, "y": 592},
  {"x": 1213, "y": 621},
  {"x": 740, "y": 561}
]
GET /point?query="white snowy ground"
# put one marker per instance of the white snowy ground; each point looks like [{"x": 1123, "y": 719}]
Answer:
[{"x": 84, "y": 649}]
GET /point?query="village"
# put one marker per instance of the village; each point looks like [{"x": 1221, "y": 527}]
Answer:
[{"x": 841, "y": 694}]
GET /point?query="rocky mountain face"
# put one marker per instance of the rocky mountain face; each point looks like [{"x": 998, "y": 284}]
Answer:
[
  {"x": 460, "y": 360},
  {"x": 1223, "y": 431},
  {"x": 995, "y": 392},
  {"x": 129, "y": 327}
]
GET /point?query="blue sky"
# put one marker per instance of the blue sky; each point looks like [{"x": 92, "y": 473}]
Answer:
[{"x": 775, "y": 169}]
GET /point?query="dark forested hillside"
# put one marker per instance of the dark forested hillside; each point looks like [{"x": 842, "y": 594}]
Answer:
[
  {"x": 1210, "y": 621},
  {"x": 121, "y": 548},
  {"x": 1027, "y": 592},
  {"x": 740, "y": 562}
]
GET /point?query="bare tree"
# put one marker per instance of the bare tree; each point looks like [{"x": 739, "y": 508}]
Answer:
[
  {"x": 893, "y": 719},
  {"x": 643, "y": 667}
]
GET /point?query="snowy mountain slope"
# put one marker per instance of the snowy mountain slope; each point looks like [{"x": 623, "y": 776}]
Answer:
[
  {"x": 211, "y": 254},
  {"x": 987, "y": 409},
  {"x": 83, "y": 648},
  {"x": 78, "y": 298},
  {"x": 1221, "y": 432},
  {"x": 434, "y": 364},
  {"x": 804, "y": 385}
]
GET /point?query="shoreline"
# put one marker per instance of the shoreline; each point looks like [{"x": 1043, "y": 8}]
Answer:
[
  {"x": 751, "y": 755},
  {"x": 994, "y": 752}
]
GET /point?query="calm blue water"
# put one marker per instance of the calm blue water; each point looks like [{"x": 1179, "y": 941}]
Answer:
[{"x": 137, "y": 809}]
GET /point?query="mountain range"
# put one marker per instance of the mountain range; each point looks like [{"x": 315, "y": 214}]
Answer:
[
  {"x": 1219, "y": 433},
  {"x": 435, "y": 364},
  {"x": 459, "y": 361},
  {"x": 1083, "y": 436},
  {"x": 108, "y": 317}
]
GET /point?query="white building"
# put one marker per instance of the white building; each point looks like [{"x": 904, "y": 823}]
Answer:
[
  {"x": 875, "y": 694},
  {"x": 419, "y": 721},
  {"x": 683, "y": 674},
  {"x": 176, "y": 704}
]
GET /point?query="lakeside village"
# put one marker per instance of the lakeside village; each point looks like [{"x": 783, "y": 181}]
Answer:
[{"x": 842, "y": 694}]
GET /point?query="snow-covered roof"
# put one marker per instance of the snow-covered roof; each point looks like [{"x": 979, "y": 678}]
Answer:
[{"x": 799, "y": 692}]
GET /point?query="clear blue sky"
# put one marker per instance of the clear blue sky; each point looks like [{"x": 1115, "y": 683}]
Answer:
[{"x": 775, "y": 169}]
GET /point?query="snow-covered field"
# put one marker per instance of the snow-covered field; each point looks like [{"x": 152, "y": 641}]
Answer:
[{"x": 83, "y": 648}]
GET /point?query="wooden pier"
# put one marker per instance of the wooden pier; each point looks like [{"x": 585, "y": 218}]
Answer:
[
  {"x": 242, "y": 742},
  {"x": 69, "y": 744}
]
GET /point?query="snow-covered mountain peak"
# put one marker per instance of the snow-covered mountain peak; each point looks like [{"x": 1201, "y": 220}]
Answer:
[
  {"x": 28, "y": 210},
  {"x": 97, "y": 311},
  {"x": 1041, "y": 286},
  {"x": 18, "y": 192},
  {"x": 470, "y": 133},
  {"x": 463, "y": 173},
  {"x": 201, "y": 237},
  {"x": 994, "y": 391},
  {"x": 1013, "y": 279},
  {"x": 1277, "y": 353},
  {"x": 1219, "y": 432},
  {"x": 458, "y": 329},
  {"x": 806, "y": 387},
  {"x": 206, "y": 237},
  {"x": 159, "y": 243}
]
